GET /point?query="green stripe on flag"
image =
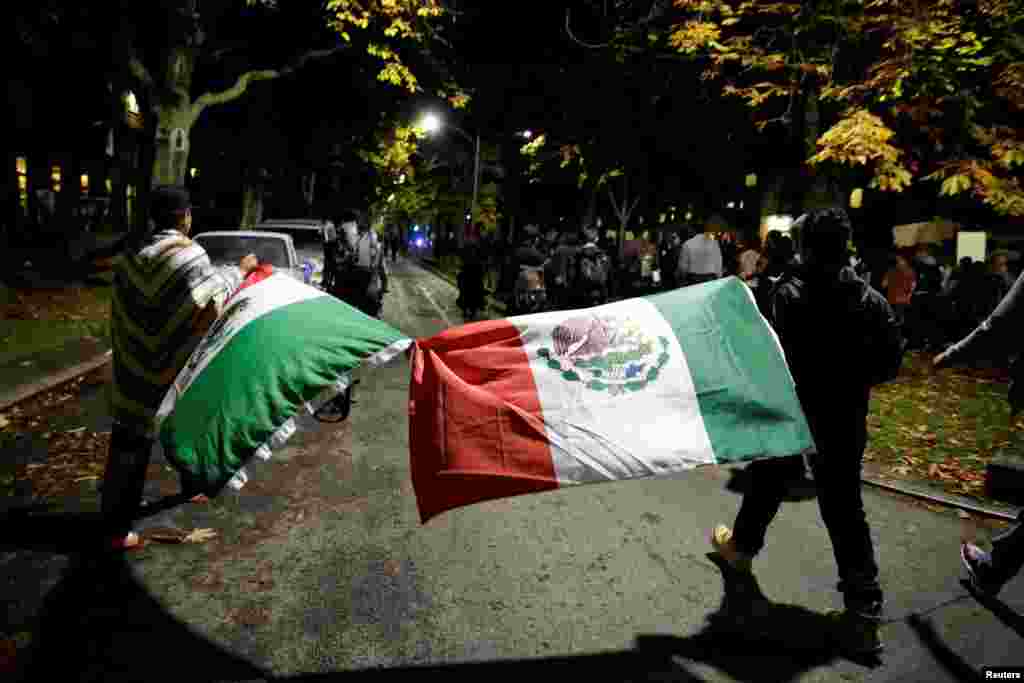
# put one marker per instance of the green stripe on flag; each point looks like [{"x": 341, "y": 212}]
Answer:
[
  {"x": 260, "y": 379},
  {"x": 747, "y": 398}
]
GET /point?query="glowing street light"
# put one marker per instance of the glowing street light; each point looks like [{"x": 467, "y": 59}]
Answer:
[{"x": 432, "y": 123}]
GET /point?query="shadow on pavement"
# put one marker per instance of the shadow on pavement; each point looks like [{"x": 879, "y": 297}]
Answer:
[
  {"x": 949, "y": 660},
  {"x": 100, "y": 624},
  {"x": 999, "y": 608}
]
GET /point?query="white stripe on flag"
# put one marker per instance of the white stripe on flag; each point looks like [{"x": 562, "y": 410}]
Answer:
[{"x": 595, "y": 436}]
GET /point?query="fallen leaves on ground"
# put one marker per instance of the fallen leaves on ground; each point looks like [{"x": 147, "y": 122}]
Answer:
[
  {"x": 178, "y": 536},
  {"x": 940, "y": 428},
  {"x": 70, "y": 303},
  {"x": 74, "y": 456}
]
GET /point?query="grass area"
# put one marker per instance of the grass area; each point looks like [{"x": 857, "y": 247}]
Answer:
[
  {"x": 940, "y": 427},
  {"x": 36, "y": 320}
]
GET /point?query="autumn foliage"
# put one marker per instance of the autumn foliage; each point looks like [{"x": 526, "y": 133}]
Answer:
[{"x": 923, "y": 91}]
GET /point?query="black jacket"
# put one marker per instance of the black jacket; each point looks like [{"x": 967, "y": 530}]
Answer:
[{"x": 840, "y": 338}]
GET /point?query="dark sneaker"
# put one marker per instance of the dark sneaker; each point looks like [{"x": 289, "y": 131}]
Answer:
[
  {"x": 856, "y": 634},
  {"x": 979, "y": 568}
]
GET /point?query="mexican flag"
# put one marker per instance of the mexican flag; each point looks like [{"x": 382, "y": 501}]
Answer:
[
  {"x": 279, "y": 347},
  {"x": 638, "y": 388}
]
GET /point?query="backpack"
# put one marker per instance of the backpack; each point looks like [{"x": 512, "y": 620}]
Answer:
[{"x": 592, "y": 269}]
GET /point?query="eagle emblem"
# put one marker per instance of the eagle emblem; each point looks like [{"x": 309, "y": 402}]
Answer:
[{"x": 605, "y": 353}]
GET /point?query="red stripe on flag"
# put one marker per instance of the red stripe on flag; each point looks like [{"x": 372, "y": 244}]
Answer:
[
  {"x": 260, "y": 274},
  {"x": 476, "y": 431}
]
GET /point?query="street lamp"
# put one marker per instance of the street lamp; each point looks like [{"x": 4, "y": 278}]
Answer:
[{"x": 432, "y": 123}]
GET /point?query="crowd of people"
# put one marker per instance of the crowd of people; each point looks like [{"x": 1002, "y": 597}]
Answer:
[{"x": 821, "y": 296}]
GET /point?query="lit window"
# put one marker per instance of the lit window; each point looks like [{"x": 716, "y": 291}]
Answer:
[
  {"x": 131, "y": 103},
  {"x": 85, "y": 183},
  {"x": 21, "y": 165},
  {"x": 55, "y": 178}
]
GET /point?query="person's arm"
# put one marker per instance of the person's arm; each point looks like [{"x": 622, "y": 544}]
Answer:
[
  {"x": 211, "y": 288},
  {"x": 886, "y": 344},
  {"x": 717, "y": 262},
  {"x": 1002, "y": 327}
]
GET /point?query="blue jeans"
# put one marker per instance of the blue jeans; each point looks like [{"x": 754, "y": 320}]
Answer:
[{"x": 837, "y": 478}]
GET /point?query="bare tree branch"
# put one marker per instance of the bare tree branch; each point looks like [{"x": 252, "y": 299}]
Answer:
[
  {"x": 615, "y": 204},
  {"x": 572, "y": 36},
  {"x": 242, "y": 84}
]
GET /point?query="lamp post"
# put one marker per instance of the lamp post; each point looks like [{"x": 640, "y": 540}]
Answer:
[{"x": 432, "y": 123}]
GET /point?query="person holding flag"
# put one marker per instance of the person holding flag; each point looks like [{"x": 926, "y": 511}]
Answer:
[
  {"x": 167, "y": 294},
  {"x": 999, "y": 333},
  {"x": 840, "y": 338}
]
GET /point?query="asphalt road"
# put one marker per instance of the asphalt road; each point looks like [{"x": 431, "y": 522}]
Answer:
[{"x": 322, "y": 571}]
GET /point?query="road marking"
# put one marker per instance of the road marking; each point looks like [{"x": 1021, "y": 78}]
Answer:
[{"x": 433, "y": 303}]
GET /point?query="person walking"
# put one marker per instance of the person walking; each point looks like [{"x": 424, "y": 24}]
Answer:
[
  {"x": 700, "y": 259},
  {"x": 668, "y": 260},
  {"x": 166, "y": 296},
  {"x": 822, "y": 304},
  {"x": 899, "y": 284},
  {"x": 999, "y": 334}
]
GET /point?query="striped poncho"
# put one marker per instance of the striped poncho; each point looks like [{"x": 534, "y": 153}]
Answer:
[{"x": 162, "y": 291}]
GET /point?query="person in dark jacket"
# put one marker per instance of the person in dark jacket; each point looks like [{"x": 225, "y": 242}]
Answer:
[
  {"x": 840, "y": 338},
  {"x": 472, "y": 293},
  {"x": 999, "y": 334},
  {"x": 668, "y": 258}
]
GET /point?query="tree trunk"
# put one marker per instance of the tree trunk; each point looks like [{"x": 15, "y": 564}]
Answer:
[
  {"x": 172, "y": 144},
  {"x": 252, "y": 205},
  {"x": 309, "y": 191}
]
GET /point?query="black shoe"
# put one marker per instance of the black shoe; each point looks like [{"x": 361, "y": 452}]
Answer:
[{"x": 855, "y": 634}]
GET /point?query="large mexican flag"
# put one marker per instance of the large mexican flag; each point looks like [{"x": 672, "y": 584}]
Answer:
[
  {"x": 638, "y": 388},
  {"x": 279, "y": 347}
]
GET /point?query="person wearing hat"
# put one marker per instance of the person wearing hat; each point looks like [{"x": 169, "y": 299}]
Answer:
[{"x": 166, "y": 296}]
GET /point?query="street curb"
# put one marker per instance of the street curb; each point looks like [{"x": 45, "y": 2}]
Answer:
[
  {"x": 437, "y": 272},
  {"x": 27, "y": 391},
  {"x": 959, "y": 502}
]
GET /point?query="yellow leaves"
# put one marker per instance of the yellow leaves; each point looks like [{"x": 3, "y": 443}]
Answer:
[
  {"x": 531, "y": 148},
  {"x": 891, "y": 177},
  {"x": 398, "y": 74},
  {"x": 954, "y": 185},
  {"x": 400, "y": 20},
  {"x": 459, "y": 101},
  {"x": 858, "y": 139},
  {"x": 757, "y": 95},
  {"x": 693, "y": 35}
]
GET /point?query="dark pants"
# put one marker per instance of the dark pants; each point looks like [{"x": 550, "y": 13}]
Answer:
[
  {"x": 837, "y": 478},
  {"x": 124, "y": 479},
  {"x": 1008, "y": 552}
]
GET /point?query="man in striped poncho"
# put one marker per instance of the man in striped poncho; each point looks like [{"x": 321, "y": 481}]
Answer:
[{"x": 166, "y": 295}]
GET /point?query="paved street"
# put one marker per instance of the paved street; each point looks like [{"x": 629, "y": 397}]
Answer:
[{"x": 322, "y": 566}]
